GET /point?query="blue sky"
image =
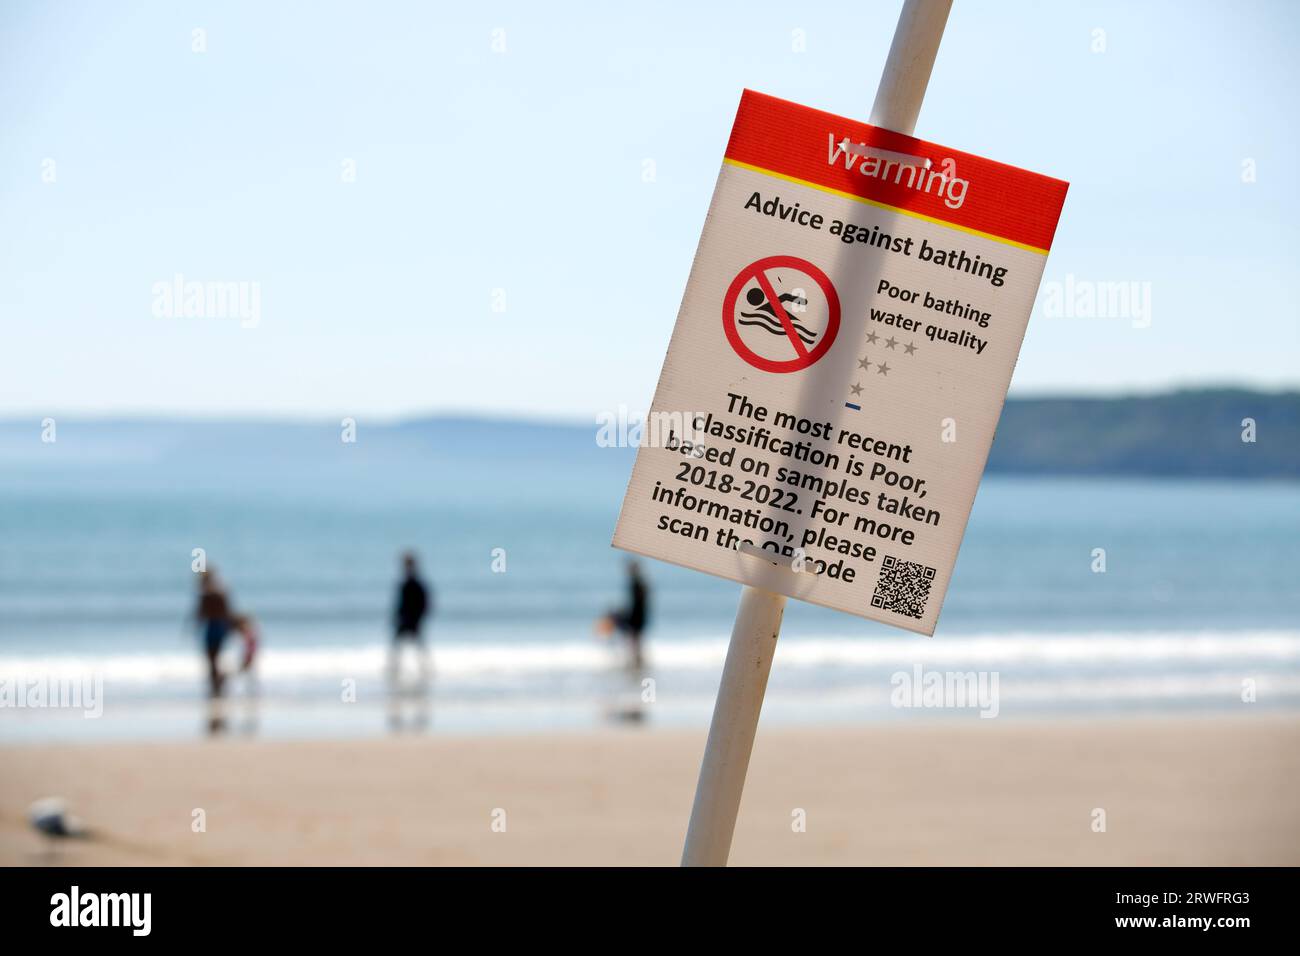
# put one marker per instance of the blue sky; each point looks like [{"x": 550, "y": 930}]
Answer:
[{"x": 522, "y": 171}]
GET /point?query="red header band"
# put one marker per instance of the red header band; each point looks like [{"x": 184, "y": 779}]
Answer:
[{"x": 885, "y": 168}]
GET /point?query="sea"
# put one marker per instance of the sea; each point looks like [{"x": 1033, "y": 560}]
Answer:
[{"x": 1076, "y": 597}]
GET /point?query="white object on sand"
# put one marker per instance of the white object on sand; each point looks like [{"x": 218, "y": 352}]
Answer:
[{"x": 50, "y": 816}]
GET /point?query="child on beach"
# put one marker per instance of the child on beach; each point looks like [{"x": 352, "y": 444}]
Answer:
[{"x": 248, "y": 630}]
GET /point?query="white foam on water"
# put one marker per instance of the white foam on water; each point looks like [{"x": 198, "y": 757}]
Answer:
[{"x": 1065, "y": 651}]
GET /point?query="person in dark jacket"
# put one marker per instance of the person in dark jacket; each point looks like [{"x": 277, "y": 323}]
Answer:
[
  {"x": 414, "y": 604},
  {"x": 412, "y": 599},
  {"x": 632, "y": 619}
]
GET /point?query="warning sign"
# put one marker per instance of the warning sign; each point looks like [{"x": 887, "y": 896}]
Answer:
[
  {"x": 825, "y": 438},
  {"x": 786, "y": 298}
]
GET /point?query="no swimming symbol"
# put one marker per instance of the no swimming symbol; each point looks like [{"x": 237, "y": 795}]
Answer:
[{"x": 781, "y": 314}]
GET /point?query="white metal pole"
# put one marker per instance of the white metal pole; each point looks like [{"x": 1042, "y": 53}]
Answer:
[
  {"x": 758, "y": 619},
  {"x": 735, "y": 721},
  {"x": 907, "y": 69}
]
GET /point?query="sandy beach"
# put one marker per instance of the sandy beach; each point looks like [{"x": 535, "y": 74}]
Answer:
[{"x": 1175, "y": 791}]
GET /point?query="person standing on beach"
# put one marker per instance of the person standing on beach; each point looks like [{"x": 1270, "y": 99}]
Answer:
[
  {"x": 414, "y": 603},
  {"x": 213, "y": 615},
  {"x": 632, "y": 619}
]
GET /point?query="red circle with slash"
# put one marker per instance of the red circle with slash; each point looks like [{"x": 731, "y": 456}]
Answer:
[{"x": 804, "y": 357}]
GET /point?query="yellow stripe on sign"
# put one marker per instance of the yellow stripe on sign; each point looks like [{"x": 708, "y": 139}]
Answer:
[{"x": 880, "y": 205}]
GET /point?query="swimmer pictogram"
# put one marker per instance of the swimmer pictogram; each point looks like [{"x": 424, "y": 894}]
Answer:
[{"x": 781, "y": 314}]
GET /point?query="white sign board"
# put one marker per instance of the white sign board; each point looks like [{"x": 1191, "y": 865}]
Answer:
[{"x": 839, "y": 363}]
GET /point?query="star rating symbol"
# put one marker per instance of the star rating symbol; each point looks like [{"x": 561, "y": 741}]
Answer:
[
  {"x": 882, "y": 368},
  {"x": 863, "y": 363},
  {"x": 910, "y": 348},
  {"x": 855, "y": 388},
  {"x": 872, "y": 338},
  {"x": 891, "y": 342}
]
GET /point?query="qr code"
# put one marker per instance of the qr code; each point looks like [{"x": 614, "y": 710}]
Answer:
[{"x": 903, "y": 587}]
